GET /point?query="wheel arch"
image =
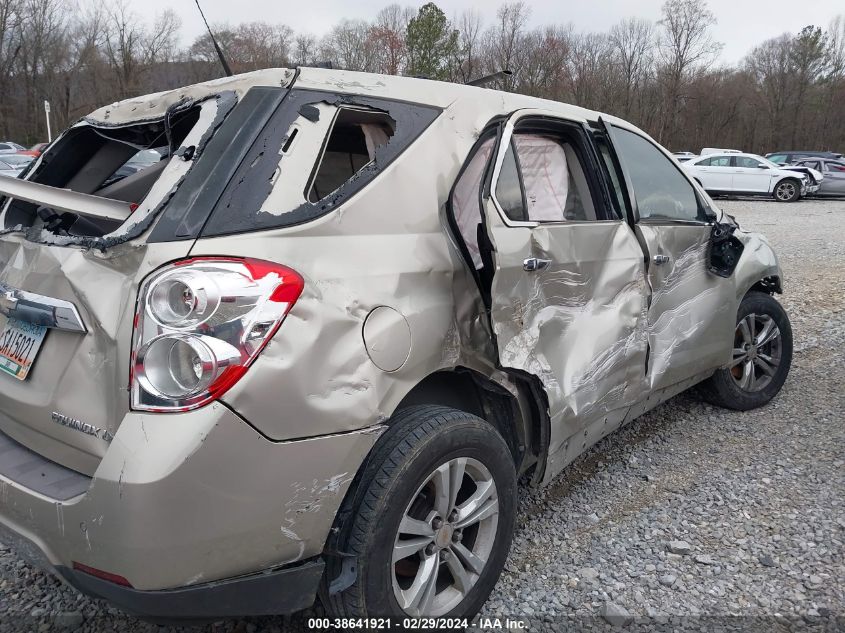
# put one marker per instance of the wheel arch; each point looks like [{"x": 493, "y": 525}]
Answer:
[
  {"x": 783, "y": 179},
  {"x": 508, "y": 406},
  {"x": 514, "y": 407},
  {"x": 770, "y": 285}
]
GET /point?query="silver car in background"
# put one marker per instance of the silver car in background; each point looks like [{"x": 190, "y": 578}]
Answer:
[
  {"x": 833, "y": 171},
  {"x": 311, "y": 350}
]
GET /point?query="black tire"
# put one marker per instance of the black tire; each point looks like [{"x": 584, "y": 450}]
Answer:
[
  {"x": 420, "y": 439},
  {"x": 787, "y": 190},
  {"x": 724, "y": 387}
]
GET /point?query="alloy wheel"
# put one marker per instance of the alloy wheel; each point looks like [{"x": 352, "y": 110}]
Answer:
[
  {"x": 445, "y": 538},
  {"x": 785, "y": 191},
  {"x": 756, "y": 352}
]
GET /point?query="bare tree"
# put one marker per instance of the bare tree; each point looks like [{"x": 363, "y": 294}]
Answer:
[
  {"x": 685, "y": 45},
  {"x": 305, "y": 50},
  {"x": 632, "y": 41},
  {"x": 468, "y": 63},
  {"x": 769, "y": 66},
  {"x": 590, "y": 71},
  {"x": 504, "y": 41},
  {"x": 349, "y": 45},
  {"x": 131, "y": 48},
  {"x": 10, "y": 45},
  {"x": 387, "y": 38},
  {"x": 545, "y": 54}
]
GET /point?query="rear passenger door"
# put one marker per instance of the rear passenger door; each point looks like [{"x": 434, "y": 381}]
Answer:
[
  {"x": 566, "y": 277},
  {"x": 692, "y": 315},
  {"x": 715, "y": 173}
]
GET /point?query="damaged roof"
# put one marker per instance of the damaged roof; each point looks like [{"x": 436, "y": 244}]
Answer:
[{"x": 440, "y": 94}]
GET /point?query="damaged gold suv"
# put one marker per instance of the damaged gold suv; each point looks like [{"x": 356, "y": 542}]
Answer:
[{"x": 309, "y": 351}]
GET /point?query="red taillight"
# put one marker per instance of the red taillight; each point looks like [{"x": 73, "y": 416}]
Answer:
[
  {"x": 200, "y": 324},
  {"x": 104, "y": 575}
]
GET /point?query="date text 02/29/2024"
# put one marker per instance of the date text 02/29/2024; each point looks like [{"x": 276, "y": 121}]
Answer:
[{"x": 416, "y": 624}]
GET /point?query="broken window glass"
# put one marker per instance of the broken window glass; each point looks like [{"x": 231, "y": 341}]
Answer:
[
  {"x": 118, "y": 163},
  {"x": 350, "y": 146}
]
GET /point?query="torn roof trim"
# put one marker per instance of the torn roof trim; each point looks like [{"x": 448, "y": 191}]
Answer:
[{"x": 155, "y": 106}]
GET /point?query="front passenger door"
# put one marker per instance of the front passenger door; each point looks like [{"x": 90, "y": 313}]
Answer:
[
  {"x": 751, "y": 175},
  {"x": 692, "y": 315}
]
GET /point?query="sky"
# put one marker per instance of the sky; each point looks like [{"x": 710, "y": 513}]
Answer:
[{"x": 742, "y": 24}]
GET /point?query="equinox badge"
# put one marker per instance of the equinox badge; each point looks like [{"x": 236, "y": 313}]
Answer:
[{"x": 78, "y": 425}]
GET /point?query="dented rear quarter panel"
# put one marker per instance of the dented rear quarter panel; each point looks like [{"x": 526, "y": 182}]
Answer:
[{"x": 386, "y": 246}]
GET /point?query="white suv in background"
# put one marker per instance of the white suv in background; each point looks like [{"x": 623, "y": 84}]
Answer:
[{"x": 750, "y": 174}]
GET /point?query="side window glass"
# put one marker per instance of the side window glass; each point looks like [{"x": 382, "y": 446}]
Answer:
[
  {"x": 780, "y": 159},
  {"x": 747, "y": 163},
  {"x": 715, "y": 161},
  {"x": 661, "y": 190},
  {"x": 351, "y": 145},
  {"x": 553, "y": 179},
  {"x": 465, "y": 199},
  {"x": 509, "y": 187}
]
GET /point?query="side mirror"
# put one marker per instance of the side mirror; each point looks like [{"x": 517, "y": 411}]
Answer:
[{"x": 762, "y": 166}]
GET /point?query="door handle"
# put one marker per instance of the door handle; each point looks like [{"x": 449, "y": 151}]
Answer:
[
  {"x": 660, "y": 259},
  {"x": 534, "y": 263}
]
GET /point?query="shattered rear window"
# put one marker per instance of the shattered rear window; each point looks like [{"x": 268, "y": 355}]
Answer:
[
  {"x": 350, "y": 146},
  {"x": 134, "y": 166},
  {"x": 315, "y": 152}
]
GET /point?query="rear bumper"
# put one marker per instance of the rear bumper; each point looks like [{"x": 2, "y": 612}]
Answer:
[
  {"x": 274, "y": 592},
  {"x": 271, "y": 592},
  {"x": 195, "y": 511}
]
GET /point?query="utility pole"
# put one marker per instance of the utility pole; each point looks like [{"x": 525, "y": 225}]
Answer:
[{"x": 47, "y": 114}]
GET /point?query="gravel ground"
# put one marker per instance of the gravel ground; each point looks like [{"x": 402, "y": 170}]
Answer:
[{"x": 690, "y": 517}]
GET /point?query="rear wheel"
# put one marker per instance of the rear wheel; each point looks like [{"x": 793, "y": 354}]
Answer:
[
  {"x": 761, "y": 357},
  {"x": 787, "y": 190},
  {"x": 433, "y": 520}
]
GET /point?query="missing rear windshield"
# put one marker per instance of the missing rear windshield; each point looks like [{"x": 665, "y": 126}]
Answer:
[{"x": 134, "y": 167}]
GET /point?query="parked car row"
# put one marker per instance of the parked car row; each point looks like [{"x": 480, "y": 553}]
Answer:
[
  {"x": 14, "y": 159},
  {"x": 13, "y": 164},
  {"x": 8, "y": 147},
  {"x": 786, "y": 176}
]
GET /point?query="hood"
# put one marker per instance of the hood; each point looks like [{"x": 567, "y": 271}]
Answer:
[{"x": 817, "y": 176}]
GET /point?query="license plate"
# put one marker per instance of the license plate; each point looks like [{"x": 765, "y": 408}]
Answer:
[{"x": 19, "y": 345}]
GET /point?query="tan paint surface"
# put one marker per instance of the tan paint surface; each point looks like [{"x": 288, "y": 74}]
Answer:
[
  {"x": 205, "y": 496},
  {"x": 387, "y": 338}
]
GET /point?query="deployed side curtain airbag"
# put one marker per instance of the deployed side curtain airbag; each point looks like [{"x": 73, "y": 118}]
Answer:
[
  {"x": 465, "y": 200},
  {"x": 545, "y": 177}
]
